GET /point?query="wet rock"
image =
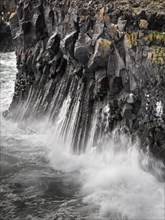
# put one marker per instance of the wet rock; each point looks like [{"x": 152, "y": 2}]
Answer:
[
  {"x": 68, "y": 43},
  {"x": 98, "y": 53},
  {"x": 159, "y": 136},
  {"x": 53, "y": 43}
]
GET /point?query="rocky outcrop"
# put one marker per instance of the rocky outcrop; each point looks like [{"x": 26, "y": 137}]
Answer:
[{"x": 107, "y": 56}]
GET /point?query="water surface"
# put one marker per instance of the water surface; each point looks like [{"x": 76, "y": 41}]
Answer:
[{"x": 41, "y": 178}]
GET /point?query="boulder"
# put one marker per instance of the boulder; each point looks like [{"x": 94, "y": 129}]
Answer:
[{"x": 101, "y": 54}]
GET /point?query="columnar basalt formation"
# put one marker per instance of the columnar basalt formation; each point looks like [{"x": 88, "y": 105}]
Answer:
[{"x": 107, "y": 56}]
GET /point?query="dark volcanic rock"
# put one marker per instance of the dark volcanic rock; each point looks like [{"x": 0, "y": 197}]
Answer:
[
  {"x": 6, "y": 43},
  {"x": 107, "y": 56},
  {"x": 83, "y": 49}
]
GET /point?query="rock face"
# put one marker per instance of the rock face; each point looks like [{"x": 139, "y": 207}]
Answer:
[
  {"x": 6, "y": 44},
  {"x": 7, "y": 7},
  {"x": 108, "y": 56}
]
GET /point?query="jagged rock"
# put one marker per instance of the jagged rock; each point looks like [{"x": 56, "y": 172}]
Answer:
[
  {"x": 101, "y": 54},
  {"x": 53, "y": 43},
  {"x": 121, "y": 24},
  {"x": 83, "y": 49},
  {"x": 143, "y": 24},
  {"x": 67, "y": 44}
]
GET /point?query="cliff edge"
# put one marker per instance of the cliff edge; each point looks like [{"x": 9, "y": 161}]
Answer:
[{"x": 107, "y": 56}]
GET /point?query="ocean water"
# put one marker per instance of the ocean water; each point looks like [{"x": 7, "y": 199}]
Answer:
[{"x": 41, "y": 178}]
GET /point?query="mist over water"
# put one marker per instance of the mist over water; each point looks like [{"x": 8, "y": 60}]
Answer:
[
  {"x": 118, "y": 178},
  {"x": 41, "y": 177}
]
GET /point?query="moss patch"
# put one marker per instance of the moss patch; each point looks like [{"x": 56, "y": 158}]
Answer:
[
  {"x": 104, "y": 46},
  {"x": 156, "y": 37},
  {"x": 157, "y": 55}
]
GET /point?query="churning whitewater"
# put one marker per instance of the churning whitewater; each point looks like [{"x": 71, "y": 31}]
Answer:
[{"x": 41, "y": 177}]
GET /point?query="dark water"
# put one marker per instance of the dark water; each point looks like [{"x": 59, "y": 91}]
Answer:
[
  {"x": 41, "y": 179},
  {"x": 30, "y": 188}
]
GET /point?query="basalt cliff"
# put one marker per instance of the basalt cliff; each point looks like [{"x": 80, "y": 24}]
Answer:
[{"x": 106, "y": 57}]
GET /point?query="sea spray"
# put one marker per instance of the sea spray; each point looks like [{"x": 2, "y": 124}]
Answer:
[{"x": 117, "y": 180}]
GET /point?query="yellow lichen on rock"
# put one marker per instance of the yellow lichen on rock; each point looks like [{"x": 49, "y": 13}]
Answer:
[
  {"x": 150, "y": 55},
  {"x": 12, "y": 15},
  {"x": 104, "y": 46},
  {"x": 127, "y": 39},
  {"x": 102, "y": 14},
  {"x": 159, "y": 37},
  {"x": 143, "y": 24},
  {"x": 134, "y": 37},
  {"x": 157, "y": 55},
  {"x": 131, "y": 39},
  {"x": 161, "y": 60},
  {"x": 150, "y": 38},
  {"x": 156, "y": 37}
]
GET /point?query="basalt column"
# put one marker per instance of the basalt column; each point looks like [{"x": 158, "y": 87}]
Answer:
[{"x": 107, "y": 56}]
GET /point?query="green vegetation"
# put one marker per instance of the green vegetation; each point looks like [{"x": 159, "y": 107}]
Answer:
[{"x": 157, "y": 55}]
